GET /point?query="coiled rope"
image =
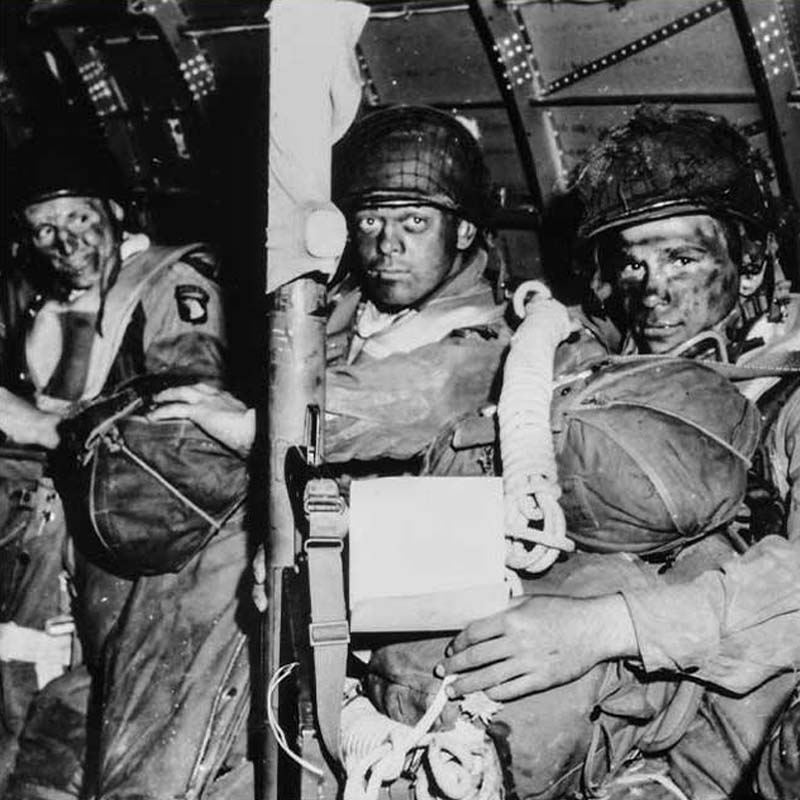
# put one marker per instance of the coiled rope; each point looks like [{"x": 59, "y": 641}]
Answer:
[{"x": 530, "y": 475}]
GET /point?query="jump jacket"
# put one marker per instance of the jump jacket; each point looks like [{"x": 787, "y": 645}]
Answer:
[
  {"x": 740, "y": 625},
  {"x": 161, "y": 314},
  {"x": 393, "y": 383}
]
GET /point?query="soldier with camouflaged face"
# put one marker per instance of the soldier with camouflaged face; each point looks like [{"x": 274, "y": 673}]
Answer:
[
  {"x": 415, "y": 336},
  {"x": 700, "y": 653},
  {"x": 91, "y": 307}
]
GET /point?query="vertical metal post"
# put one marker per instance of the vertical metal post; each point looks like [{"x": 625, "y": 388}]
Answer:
[
  {"x": 480, "y": 12},
  {"x": 296, "y": 321},
  {"x": 296, "y": 379},
  {"x": 311, "y": 102},
  {"x": 771, "y": 103}
]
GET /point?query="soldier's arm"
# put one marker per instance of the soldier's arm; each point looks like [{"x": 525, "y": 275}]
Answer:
[
  {"x": 20, "y": 420},
  {"x": 740, "y": 625},
  {"x": 734, "y": 627},
  {"x": 388, "y": 408},
  {"x": 394, "y": 407},
  {"x": 184, "y": 332}
]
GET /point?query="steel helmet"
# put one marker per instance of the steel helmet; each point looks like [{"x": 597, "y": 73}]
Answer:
[
  {"x": 412, "y": 155},
  {"x": 668, "y": 162},
  {"x": 51, "y": 166}
]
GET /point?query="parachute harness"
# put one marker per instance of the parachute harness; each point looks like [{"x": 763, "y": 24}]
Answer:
[{"x": 455, "y": 764}]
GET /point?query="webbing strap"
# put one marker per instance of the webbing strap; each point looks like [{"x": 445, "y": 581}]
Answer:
[
  {"x": 138, "y": 274},
  {"x": 329, "y": 632}
]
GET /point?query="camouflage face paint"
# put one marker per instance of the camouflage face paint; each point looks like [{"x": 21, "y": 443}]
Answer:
[
  {"x": 675, "y": 278},
  {"x": 76, "y": 235},
  {"x": 406, "y": 252}
]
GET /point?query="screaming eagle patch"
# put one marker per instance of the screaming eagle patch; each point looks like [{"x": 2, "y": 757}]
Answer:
[{"x": 192, "y": 303}]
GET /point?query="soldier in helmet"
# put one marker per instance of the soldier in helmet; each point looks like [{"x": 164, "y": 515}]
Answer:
[
  {"x": 612, "y": 653},
  {"x": 678, "y": 221},
  {"x": 86, "y": 306},
  {"x": 415, "y": 336}
]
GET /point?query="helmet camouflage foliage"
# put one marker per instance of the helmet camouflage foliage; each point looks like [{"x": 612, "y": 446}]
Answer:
[
  {"x": 669, "y": 162},
  {"x": 412, "y": 155}
]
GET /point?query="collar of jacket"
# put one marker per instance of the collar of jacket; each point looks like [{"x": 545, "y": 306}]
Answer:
[
  {"x": 469, "y": 280},
  {"x": 466, "y": 300}
]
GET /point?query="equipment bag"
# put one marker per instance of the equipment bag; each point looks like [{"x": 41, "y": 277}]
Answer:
[
  {"x": 568, "y": 739},
  {"x": 154, "y": 492},
  {"x": 652, "y": 452}
]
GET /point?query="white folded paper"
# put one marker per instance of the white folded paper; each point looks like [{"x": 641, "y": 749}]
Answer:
[{"x": 425, "y": 554}]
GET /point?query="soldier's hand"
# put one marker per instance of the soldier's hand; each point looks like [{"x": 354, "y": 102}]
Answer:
[
  {"x": 542, "y": 642},
  {"x": 217, "y": 412},
  {"x": 25, "y": 424}
]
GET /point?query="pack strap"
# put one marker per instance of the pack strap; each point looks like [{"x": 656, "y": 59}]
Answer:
[
  {"x": 138, "y": 274},
  {"x": 772, "y": 365},
  {"x": 134, "y": 279},
  {"x": 328, "y": 630}
]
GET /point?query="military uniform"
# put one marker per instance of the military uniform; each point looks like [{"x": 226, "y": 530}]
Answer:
[
  {"x": 162, "y": 315},
  {"x": 708, "y": 617},
  {"x": 737, "y": 629},
  {"x": 393, "y": 383}
]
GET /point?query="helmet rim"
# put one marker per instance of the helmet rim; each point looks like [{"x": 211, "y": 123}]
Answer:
[
  {"x": 412, "y": 155},
  {"x": 653, "y": 212}
]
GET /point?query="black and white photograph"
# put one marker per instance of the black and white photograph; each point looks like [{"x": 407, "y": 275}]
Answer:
[{"x": 400, "y": 399}]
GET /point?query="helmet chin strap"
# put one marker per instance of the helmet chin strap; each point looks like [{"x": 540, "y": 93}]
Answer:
[
  {"x": 760, "y": 293},
  {"x": 706, "y": 345}
]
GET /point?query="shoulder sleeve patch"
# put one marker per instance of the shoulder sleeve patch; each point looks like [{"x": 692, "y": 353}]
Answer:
[{"x": 192, "y": 301}]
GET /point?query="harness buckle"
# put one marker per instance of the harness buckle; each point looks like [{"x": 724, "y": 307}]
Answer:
[{"x": 323, "y": 634}]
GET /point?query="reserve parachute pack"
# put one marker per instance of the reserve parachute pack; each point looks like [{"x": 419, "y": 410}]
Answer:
[
  {"x": 154, "y": 493},
  {"x": 652, "y": 452}
]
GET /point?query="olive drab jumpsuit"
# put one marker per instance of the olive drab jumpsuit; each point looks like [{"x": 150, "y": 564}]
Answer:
[
  {"x": 162, "y": 315},
  {"x": 724, "y": 628}
]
